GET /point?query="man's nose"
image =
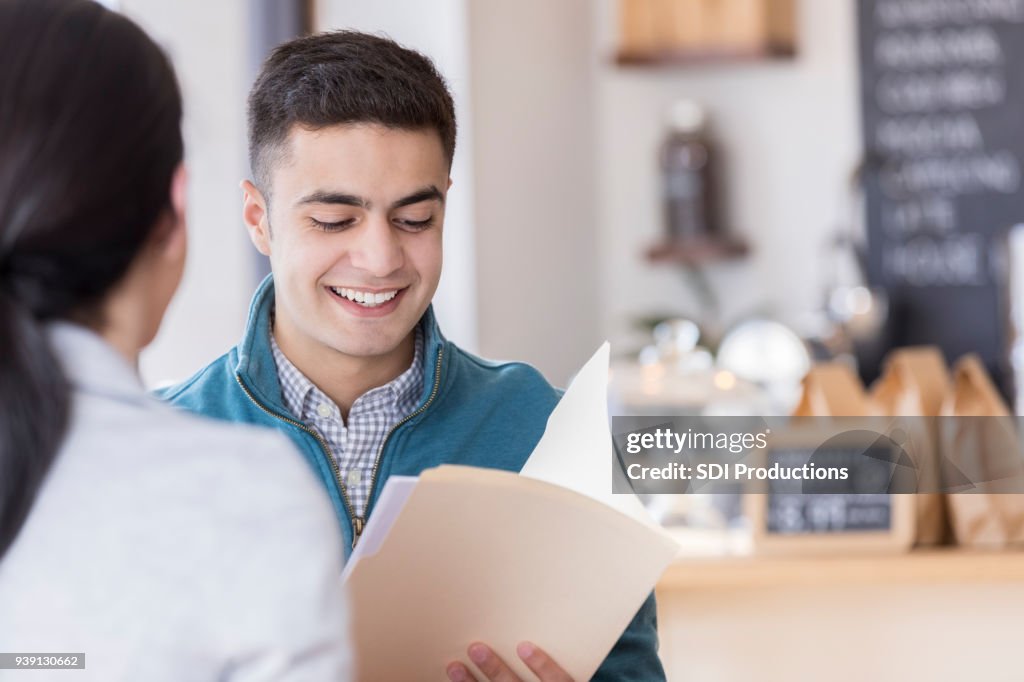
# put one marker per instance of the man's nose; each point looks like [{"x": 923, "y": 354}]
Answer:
[{"x": 377, "y": 249}]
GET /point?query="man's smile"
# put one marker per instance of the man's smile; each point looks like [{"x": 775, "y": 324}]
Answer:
[{"x": 367, "y": 302}]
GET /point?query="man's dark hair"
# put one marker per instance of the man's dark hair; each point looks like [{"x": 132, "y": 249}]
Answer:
[{"x": 343, "y": 77}]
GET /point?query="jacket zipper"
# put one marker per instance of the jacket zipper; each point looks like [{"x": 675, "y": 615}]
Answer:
[
  {"x": 380, "y": 452},
  {"x": 358, "y": 522}
]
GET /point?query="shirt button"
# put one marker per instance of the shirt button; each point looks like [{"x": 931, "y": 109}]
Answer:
[
  {"x": 354, "y": 477},
  {"x": 324, "y": 410}
]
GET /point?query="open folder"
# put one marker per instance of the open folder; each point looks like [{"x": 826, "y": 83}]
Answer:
[{"x": 462, "y": 554}]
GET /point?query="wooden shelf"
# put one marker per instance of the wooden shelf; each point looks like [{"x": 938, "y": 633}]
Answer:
[
  {"x": 946, "y": 565},
  {"x": 682, "y": 58},
  {"x": 697, "y": 251}
]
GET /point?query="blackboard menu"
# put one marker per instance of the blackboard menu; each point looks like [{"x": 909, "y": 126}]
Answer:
[
  {"x": 942, "y": 92},
  {"x": 797, "y": 507}
]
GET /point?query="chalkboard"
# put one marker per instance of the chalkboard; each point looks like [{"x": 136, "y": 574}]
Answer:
[
  {"x": 863, "y": 512},
  {"x": 942, "y": 102},
  {"x": 837, "y": 506}
]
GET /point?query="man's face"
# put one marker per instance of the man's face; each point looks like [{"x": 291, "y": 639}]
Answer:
[{"x": 354, "y": 236}]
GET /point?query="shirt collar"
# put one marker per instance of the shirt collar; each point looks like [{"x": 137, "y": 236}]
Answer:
[
  {"x": 407, "y": 386},
  {"x": 294, "y": 384},
  {"x": 91, "y": 364}
]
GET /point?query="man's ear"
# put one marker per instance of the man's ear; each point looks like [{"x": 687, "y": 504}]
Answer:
[{"x": 254, "y": 213}]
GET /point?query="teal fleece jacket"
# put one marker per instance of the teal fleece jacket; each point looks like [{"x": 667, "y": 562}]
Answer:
[{"x": 472, "y": 412}]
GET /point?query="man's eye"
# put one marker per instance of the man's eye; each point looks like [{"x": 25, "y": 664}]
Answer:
[
  {"x": 332, "y": 226},
  {"x": 415, "y": 225}
]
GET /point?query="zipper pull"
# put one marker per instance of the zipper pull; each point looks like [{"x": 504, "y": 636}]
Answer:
[{"x": 357, "y": 529}]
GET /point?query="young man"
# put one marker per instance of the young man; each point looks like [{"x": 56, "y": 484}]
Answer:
[{"x": 351, "y": 139}]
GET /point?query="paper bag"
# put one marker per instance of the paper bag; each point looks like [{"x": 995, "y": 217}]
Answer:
[
  {"x": 832, "y": 389},
  {"x": 981, "y": 454},
  {"x": 913, "y": 384}
]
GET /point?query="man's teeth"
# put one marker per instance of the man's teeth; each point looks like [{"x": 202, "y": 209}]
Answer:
[{"x": 367, "y": 299}]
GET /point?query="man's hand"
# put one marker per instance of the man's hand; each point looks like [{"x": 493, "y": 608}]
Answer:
[{"x": 497, "y": 671}]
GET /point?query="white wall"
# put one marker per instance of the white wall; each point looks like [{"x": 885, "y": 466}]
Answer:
[
  {"x": 438, "y": 30},
  {"x": 206, "y": 41},
  {"x": 789, "y": 135},
  {"x": 537, "y": 213}
]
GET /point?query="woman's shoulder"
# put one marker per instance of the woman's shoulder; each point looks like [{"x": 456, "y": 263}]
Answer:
[
  {"x": 152, "y": 446},
  {"x": 175, "y": 524}
]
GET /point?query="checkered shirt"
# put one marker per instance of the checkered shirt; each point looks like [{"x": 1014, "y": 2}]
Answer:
[{"x": 373, "y": 414}]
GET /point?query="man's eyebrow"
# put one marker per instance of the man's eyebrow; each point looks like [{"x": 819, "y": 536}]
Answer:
[
  {"x": 428, "y": 193},
  {"x": 324, "y": 197}
]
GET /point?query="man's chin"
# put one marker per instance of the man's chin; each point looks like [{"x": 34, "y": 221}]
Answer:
[{"x": 366, "y": 344}]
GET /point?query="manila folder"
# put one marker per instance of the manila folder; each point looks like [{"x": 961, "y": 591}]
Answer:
[{"x": 491, "y": 556}]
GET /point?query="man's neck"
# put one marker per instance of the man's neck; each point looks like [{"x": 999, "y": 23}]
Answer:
[{"x": 343, "y": 378}]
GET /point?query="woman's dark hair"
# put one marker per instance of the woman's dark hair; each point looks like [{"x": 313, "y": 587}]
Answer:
[
  {"x": 343, "y": 77},
  {"x": 90, "y": 137}
]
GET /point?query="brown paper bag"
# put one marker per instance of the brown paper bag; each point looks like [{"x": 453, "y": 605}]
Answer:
[
  {"x": 985, "y": 452},
  {"x": 832, "y": 389},
  {"x": 913, "y": 384}
]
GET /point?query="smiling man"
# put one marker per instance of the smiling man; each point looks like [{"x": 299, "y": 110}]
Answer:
[{"x": 351, "y": 140}]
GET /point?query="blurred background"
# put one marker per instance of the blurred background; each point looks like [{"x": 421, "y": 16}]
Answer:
[
  {"x": 733, "y": 192},
  {"x": 558, "y": 192}
]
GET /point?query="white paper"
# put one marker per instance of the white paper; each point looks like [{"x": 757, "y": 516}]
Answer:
[{"x": 576, "y": 449}]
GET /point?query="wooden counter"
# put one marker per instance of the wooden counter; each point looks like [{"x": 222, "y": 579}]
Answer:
[
  {"x": 943, "y": 614},
  {"x": 947, "y": 565}
]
